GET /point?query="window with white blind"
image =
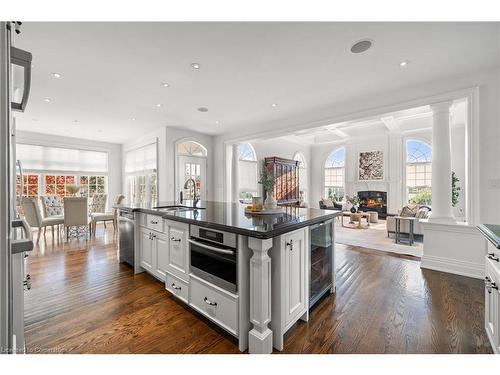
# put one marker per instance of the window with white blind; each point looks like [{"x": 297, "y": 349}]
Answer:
[
  {"x": 248, "y": 172},
  {"x": 335, "y": 175},
  {"x": 141, "y": 174},
  {"x": 303, "y": 183},
  {"x": 50, "y": 170}
]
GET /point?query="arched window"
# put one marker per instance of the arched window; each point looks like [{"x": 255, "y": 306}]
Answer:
[
  {"x": 418, "y": 171},
  {"x": 191, "y": 148},
  {"x": 248, "y": 179},
  {"x": 303, "y": 181},
  {"x": 335, "y": 175}
]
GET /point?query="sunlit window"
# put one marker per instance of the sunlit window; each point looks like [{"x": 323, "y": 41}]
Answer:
[
  {"x": 335, "y": 175},
  {"x": 418, "y": 171}
]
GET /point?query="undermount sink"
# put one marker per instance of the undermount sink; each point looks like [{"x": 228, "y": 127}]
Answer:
[{"x": 177, "y": 208}]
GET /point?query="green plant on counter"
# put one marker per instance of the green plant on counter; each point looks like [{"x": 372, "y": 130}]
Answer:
[{"x": 267, "y": 180}]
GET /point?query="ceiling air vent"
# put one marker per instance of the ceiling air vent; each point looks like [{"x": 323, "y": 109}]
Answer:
[{"x": 361, "y": 46}]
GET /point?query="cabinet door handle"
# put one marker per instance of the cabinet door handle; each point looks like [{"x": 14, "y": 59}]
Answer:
[
  {"x": 175, "y": 239},
  {"x": 493, "y": 285},
  {"x": 176, "y": 287},
  {"x": 493, "y": 257},
  {"x": 208, "y": 302},
  {"x": 290, "y": 244},
  {"x": 150, "y": 235}
]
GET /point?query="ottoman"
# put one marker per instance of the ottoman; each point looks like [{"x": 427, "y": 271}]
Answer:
[{"x": 373, "y": 216}]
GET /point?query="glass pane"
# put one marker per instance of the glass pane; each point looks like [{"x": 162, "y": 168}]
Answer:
[
  {"x": 100, "y": 180},
  {"x": 60, "y": 190},
  {"x": 50, "y": 189},
  {"x": 60, "y": 180},
  {"x": 92, "y": 189},
  {"x": 92, "y": 180},
  {"x": 84, "y": 180},
  {"x": 50, "y": 179},
  {"x": 70, "y": 180},
  {"x": 100, "y": 189}
]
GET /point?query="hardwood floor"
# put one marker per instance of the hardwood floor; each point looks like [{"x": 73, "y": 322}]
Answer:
[{"x": 83, "y": 301}]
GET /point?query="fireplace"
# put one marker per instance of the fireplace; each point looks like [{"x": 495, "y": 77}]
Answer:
[{"x": 373, "y": 201}]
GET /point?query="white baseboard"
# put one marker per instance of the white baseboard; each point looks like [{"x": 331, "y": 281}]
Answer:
[{"x": 455, "y": 266}]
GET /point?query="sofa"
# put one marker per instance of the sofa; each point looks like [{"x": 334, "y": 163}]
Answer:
[
  {"x": 419, "y": 211},
  {"x": 328, "y": 204}
]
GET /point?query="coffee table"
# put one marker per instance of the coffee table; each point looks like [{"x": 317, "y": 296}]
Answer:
[{"x": 358, "y": 216}]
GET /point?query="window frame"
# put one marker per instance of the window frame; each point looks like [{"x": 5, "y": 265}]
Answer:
[
  {"x": 343, "y": 168},
  {"x": 406, "y": 163}
]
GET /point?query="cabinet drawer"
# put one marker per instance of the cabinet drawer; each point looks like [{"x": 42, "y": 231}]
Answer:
[
  {"x": 177, "y": 287},
  {"x": 493, "y": 253},
  {"x": 154, "y": 222},
  {"x": 216, "y": 304}
]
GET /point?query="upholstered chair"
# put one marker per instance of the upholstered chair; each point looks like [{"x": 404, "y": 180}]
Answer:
[
  {"x": 76, "y": 216},
  {"x": 98, "y": 203},
  {"x": 106, "y": 216},
  {"x": 34, "y": 217},
  {"x": 52, "y": 205}
]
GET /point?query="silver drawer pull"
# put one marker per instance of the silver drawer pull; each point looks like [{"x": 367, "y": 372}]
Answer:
[
  {"x": 175, "y": 239},
  {"x": 154, "y": 222},
  {"x": 176, "y": 287},
  {"x": 208, "y": 302},
  {"x": 493, "y": 257},
  {"x": 493, "y": 285}
]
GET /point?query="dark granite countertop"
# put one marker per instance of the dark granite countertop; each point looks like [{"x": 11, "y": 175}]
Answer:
[
  {"x": 231, "y": 217},
  {"x": 491, "y": 232}
]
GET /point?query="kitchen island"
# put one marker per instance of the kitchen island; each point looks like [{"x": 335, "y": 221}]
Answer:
[{"x": 270, "y": 292}]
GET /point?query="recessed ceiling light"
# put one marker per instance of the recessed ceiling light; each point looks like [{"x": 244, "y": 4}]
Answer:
[
  {"x": 46, "y": 100},
  {"x": 56, "y": 75},
  {"x": 217, "y": 122},
  {"x": 158, "y": 105},
  {"x": 403, "y": 63},
  {"x": 203, "y": 109},
  {"x": 274, "y": 105},
  {"x": 195, "y": 66},
  {"x": 361, "y": 46},
  {"x": 133, "y": 118},
  {"x": 165, "y": 84}
]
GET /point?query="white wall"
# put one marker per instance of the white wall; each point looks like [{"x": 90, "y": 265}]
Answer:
[
  {"x": 167, "y": 138},
  {"x": 113, "y": 149},
  {"x": 489, "y": 128}
]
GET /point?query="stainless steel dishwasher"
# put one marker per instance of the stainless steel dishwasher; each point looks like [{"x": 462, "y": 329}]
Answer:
[{"x": 126, "y": 228}]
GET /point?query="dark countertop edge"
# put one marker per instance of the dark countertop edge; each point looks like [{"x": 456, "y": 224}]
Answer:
[
  {"x": 245, "y": 232},
  {"x": 490, "y": 235}
]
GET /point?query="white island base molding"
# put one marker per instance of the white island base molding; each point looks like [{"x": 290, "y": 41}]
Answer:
[{"x": 455, "y": 248}]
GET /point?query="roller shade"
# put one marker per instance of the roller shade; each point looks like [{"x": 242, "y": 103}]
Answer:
[
  {"x": 141, "y": 159},
  {"x": 248, "y": 176},
  {"x": 44, "y": 158}
]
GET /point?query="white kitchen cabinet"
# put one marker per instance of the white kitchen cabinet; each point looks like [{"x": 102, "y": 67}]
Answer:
[
  {"x": 178, "y": 250},
  {"x": 160, "y": 252},
  {"x": 146, "y": 250},
  {"x": 492, "y": 304},
  {"x": 153, "y": 252},
  {"x": 289, "y": 282},
  {"x": 177, "y": 287}
]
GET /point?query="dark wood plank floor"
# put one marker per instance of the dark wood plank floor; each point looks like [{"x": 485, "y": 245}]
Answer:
[{"x": 84, "y": 301}]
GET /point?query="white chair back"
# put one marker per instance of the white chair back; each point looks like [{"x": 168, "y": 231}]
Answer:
[
  {"x": 76, "y": 211},
  {"x": 31, "y": 211},
  {"x": 52, "y": 205},
  {"x": 98, "y": 203}
]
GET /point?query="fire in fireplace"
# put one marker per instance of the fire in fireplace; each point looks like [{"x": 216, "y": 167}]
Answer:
[{"x": 373, "y": 201}]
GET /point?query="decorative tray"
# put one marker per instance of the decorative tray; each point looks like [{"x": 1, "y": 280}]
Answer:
[{"x": 275, "y": 211}]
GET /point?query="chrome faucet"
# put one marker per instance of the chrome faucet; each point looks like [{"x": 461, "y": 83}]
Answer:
[{"x": 196, "y": 198}]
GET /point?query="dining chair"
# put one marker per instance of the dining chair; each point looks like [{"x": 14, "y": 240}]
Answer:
[
  {"x": 52, "y": 205},
  {"x": 34, "y": 217},
  {"x": 76, "y": 216},
  {"x": 106, "y": 216}
]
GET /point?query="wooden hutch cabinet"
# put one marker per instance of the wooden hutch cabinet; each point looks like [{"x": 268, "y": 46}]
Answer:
[{"x": 286, "y": 172}]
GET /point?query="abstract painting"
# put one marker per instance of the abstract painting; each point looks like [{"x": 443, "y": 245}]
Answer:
[{"x": 371, "y": 166}]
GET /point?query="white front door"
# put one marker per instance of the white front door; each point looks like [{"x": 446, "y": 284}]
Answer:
[{"x": 195, "y": 168}]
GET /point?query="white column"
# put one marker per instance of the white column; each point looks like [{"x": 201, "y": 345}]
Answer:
[
  {"x": 260, "y": 337},
  {"x": 235, "y": 171},
  {"x": 441, "y": 164}
]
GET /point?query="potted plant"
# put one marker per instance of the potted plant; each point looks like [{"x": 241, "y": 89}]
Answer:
[
  {"x": 267, "y": 180},
  {"x": 72, "y": 189},
  {"x": 354, "y": 201}
]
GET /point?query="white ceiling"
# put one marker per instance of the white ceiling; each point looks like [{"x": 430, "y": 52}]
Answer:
[
  {"x": 405, "y": 121},
  {"x": 112, "y": 72}
]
